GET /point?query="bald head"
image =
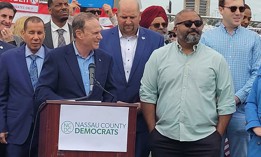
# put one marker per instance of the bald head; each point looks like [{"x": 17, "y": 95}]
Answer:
[
  {"x": 128, "y": 17},
  {"x": 128, "y": 3},
  {"x": 178, "y": 17}
]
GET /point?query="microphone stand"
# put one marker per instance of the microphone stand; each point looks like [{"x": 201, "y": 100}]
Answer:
[{"x": 98, "y": 84}]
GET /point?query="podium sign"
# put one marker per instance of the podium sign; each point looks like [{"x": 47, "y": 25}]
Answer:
[
  {"x": 87, "y": 129},
  {"x": 93, "y": 128}
]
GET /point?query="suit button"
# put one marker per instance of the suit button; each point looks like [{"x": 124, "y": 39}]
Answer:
[{"x": 258, "y": 143}]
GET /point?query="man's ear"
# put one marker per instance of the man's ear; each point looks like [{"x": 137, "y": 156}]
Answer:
[
  {"x": 79, "y": 34},
  {"x": 50, "y": 11},
  {"x": 22, "y": 34}
]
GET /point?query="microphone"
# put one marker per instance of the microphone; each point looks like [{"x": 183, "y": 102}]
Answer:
[
  {"x": 93, "y": 82},
  {"x": 91, "y": 76},
  {"x": 91, "y": 69}
]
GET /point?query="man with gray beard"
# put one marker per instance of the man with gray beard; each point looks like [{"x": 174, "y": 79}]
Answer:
[
  {"x": 58, "y": 31},
  {"x": 186, "y": 94}
]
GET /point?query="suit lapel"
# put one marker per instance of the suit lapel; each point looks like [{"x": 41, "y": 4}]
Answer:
[
  {"x": 98, "y": 60},
  {"x": 117, "y": 52},
  {"x": 72, "y": 62},
  {"x": 48, "y": 35},
  {"x": 70, "y": 31},
  {"x": 21, "y": 62},
  {"x": 138, "y": 52}
]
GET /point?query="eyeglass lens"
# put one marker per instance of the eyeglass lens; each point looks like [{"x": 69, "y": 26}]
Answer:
[
  {"x": 157, "y": 25},
  {"x": 189, "y": 23},
  {"x": 172, "y": 35},
  {"x": 94, "y": 12},
  {"x": 234, "y": 8}
]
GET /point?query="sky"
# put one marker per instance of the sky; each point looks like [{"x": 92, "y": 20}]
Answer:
[{"x": 177, "y": 5}]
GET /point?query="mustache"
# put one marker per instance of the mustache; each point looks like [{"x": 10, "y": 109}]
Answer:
[{"x": 193, "y": 30}]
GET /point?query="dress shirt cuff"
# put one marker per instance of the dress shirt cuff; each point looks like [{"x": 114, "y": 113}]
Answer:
[
  {"x": 242, "y": 96},
  {"x": 251, "y": 125},
  {"x": 226, "y": 110}
]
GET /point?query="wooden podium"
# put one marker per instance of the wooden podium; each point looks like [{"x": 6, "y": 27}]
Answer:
[{"x": 49, "y": 131}]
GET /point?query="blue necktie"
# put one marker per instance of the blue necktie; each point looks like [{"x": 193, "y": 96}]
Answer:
[{"x": 33, "y": 71}]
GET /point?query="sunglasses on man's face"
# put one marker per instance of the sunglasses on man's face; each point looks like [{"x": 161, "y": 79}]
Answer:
[
  {"x": 172, "y": 35},
  {"x": 189, "y": 23},
  {"x": 157, "y": 25},
  {"x": 98, "y": 12},
  {"x": 234, "y": 8}
]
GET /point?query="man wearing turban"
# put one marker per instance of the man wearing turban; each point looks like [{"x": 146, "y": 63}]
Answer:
[{"x": 155, "y": 18}]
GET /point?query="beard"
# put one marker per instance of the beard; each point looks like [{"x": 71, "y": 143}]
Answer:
[
  {"x": 63, "y": 19},
  {"x": 193, "y": 38}
]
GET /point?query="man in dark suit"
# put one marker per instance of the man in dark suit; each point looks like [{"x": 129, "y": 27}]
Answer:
[
  {"x": 131, "y": 47},
  {"x": 65, "y": 73},
  {"x": 4, "y": 47},
  {"x": 7, "y": 13},
  {"x": 58, "y": 31},
  {"x": 19, "y": 69}
]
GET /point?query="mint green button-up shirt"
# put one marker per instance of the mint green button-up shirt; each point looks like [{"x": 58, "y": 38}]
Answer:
[{"x": 189, "y": 91}]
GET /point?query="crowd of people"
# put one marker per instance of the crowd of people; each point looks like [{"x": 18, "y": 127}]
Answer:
[{"x": 193, "y": 89}]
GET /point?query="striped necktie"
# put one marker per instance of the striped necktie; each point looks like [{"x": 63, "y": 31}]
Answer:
[{"x": 61, "y": 40}]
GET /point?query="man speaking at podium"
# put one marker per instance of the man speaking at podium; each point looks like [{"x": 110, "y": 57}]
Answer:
[{"x": 68, "y": 72}]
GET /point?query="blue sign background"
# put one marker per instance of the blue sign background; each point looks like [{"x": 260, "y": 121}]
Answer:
[{"x": 95, "y": 3}]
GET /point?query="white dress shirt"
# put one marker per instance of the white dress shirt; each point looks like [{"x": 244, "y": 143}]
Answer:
[
  {"x": 55, "y": 35},
  {"x": 128, "y": 48}
]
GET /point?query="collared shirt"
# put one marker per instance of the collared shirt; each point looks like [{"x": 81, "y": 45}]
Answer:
[
  {"x": 39, "y": 60},
  {"x": 189, "y": 91},
  {"x": 128, "y": 49},
  {"x": 55, "y": 34},
  {"x": 84, "y": 65},
  {"x": 242, "y": 51}
]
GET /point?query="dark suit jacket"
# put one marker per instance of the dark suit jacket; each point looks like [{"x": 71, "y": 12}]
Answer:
[
  {"x": 61, "y": 76},
  {"x": 48, "y": 41},
  {"x": 5, "y": 46},
  {"x": 16, "y": 95},
  {"x": 148, "y": 41}
]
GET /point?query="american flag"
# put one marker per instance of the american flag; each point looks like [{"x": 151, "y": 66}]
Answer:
[{"x": 226, "y": 148}]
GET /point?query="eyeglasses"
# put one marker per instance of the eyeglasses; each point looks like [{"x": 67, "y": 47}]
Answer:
[
  {"x": 234, "y": 8},
  {"x": 98, "y": 12},
  {"x": 157, "y": 25},
  {"x": 172, "y": 35},
  {"x": 189, "y": 23}
]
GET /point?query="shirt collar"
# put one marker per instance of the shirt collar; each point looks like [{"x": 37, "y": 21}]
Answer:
[
  {"x": 122, "y": 36},
  {"x": 195, "y": 47},
  {"x": 236, "y": 29},
  {"x": 78, "y": 54},
  {"x": 40, "y": 53},
  {"x": 54, "y": 27}
]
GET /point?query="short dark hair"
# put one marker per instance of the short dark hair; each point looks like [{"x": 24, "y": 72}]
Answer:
[
  {"x": 247, "y": 6},
  {"x": 79, "y": 21},
  {"x": 221, "y": 3},
  {"x": 8, "y": 5},
  {"x": 34, "y": 19},
  {"x": 49, "y": 3}
]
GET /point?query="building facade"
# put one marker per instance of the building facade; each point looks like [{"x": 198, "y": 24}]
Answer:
[{"x": 200, "y": 6}]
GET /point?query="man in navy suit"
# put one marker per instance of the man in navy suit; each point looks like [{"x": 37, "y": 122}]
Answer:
[
  {"x": 17, "y": 89},
  {"x": 131, "y": 47},
  {"x": 4, "y": 47},
  {"x": 65, "y": 73}
]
